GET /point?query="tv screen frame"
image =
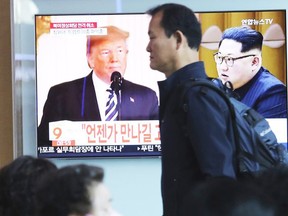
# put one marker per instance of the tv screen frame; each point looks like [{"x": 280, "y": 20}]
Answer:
[{"x": 60, "y": 47}]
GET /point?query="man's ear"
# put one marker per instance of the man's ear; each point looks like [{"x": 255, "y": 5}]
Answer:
[
  {"x": 90, "y": 61},
  {"x": 178, "y": 35},
  {"x": 256, "y": 61}
]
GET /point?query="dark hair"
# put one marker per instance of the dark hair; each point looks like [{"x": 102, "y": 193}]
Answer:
[
  {"x": 249, "y": 38},
  {"x": 66, "y": 192},
  {"x": 179, "y": 17},
  {"x": 224, "y": 196},
  {"x": 18, "y": 182},
  {"x": 274, "y": 182}
]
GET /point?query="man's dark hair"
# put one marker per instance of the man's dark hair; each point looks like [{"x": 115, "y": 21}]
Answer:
[
  {"x": 179, "y": 17},
  {"x": 249, "y": 38}
]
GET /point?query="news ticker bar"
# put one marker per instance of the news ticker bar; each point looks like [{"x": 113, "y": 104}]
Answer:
[{"x": 91, "y": 133}]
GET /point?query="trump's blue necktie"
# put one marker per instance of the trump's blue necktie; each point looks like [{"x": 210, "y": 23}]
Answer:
[{"x": 111, "y": 112}]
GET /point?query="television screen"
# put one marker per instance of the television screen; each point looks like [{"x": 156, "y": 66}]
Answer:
[{"x": 94, "y": 68}]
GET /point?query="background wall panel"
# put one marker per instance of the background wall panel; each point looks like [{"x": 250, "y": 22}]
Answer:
[{"x": 6, "y": 108}]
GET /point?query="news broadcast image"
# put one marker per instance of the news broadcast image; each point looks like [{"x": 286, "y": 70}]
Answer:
[{"x": 61, "y": 56}]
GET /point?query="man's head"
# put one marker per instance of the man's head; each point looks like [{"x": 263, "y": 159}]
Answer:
[
  {"x": 19, "y": 180},
  {"x": 67, "y": 191},
  {"x": 107, "y": 53},
  {"x": 239, "y": 55},
  {"x": 174, "y": 32}
]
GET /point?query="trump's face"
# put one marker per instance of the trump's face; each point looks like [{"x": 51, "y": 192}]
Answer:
[{"x": 107, "y": 57}]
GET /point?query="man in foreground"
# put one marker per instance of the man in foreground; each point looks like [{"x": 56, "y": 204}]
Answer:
[{"x": 197, "y": 142}]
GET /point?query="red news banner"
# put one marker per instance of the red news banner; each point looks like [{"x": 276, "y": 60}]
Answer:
[{"x": 69, "y": 133}]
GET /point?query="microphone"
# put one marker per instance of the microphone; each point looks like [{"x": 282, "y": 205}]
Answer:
[{"x": 116, "y": 82}]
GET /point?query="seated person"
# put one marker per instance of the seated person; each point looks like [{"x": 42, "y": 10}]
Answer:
[
  {"x": 18, "y": 182},
  {"x": 75, "y": 190},
  {"x": 239, "y": 61},
  {"x": 274, "y": 183},
  {"x": 224, "y": 196}
]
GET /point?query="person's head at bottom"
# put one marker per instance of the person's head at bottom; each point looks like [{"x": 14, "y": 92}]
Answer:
[
  {"x": 18, "y": 182},
  {"x": 75, "y": 190},
  {"x": 224, "y": 196}
]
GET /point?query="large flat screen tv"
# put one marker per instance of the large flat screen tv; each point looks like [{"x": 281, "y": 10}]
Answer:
[{"x": 71, "y": 101}]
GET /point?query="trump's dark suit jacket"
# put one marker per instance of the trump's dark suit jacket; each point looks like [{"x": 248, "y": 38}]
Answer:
[{"x": 76, "y": 101}]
